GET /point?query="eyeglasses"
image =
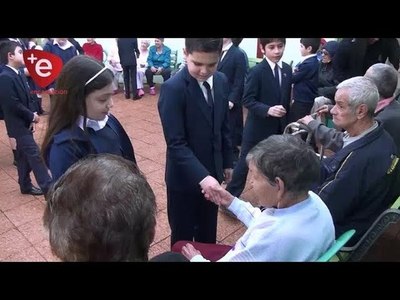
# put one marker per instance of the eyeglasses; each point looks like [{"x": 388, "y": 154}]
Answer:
[{"x": 323, "y": 52}]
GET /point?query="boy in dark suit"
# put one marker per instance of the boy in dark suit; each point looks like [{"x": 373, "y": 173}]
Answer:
[
  {"x": 233, "y": 65},
  {"x": 128, "y": 51},
  {"x": 193, "y": 107},
  {"x": 305, "y": 79},
  {"x": 16, "y": 104},
  {"x": 267, "y": 98}
]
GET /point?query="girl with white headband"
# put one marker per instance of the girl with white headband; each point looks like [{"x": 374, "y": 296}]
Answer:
[{"x": 80, "y": 123}]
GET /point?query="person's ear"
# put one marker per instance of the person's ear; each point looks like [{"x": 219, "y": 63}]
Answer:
[{"x": 361, "y": 111}]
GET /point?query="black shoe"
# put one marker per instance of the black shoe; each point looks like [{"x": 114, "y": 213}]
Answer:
[
  {"x": 136, "y": 97},
  {"x": 127, "y": 96},
  {"x": 33, "y": 191}
]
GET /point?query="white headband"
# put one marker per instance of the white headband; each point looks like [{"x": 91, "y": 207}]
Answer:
[{"x": 95, "y": 75}]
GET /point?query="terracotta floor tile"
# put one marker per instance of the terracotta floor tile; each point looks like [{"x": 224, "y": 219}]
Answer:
[
  {"x": 27, "y": 255},
  {"x": 160, "y": 247},
  {"x": 157, "y": 176},
  {"x": 9, "y": 185},
  {"x": 162, "y": 229},
  {"x": 226, "y": 225},
  {"x": 5, "y": 224},
  {"x": 12, "y": 242},
  {"x": 34, "y": 231},
  {"x": 13, "y": 200},
  {"x": 44, "y": 249},
  {"x": 147, "y": 166},
  {"x": 25, "y": 212}
]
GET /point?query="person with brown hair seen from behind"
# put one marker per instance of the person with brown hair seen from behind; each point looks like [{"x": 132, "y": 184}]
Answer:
[
  {"x": 101, "y": 209},
  {"x": 158, "y": 63}
]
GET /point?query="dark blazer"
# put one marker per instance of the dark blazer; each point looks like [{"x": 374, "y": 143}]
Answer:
[
  {"x": 195, "y": 148},
  {"x": 390, "y": 118},
  {"x": 260, "y": 93},
  {"x": 71, "y": 144},
  {"x": 234, "y": 67},
  {"x": 16, "y": 103},
  {"x": 128, "y": 50},
  {"x": 305, "y": 79},
  {"x": 354, "y": 182}
]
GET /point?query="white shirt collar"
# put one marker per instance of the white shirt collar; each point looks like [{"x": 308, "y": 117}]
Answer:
[
  {"x": 95, "y": 125},
  {"x": 307, "y": 56},
  {"x": 67, "y": 45},
  {"x": 209, "y": 80},
  {"x": 272, "y": 64},
  {"x": 14, "y": 69},
  {"x": 227, "y": 47}
]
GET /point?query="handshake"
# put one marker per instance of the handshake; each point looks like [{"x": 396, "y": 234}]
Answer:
[{"x": 214, "y": 192}]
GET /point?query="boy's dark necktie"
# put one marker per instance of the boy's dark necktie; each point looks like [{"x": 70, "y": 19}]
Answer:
[
  {"x": 210, "y": 100},
  {"x": 276, "y": 74}
]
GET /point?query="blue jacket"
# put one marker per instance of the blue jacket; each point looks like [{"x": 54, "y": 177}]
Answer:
[
  {"x": 355, "y": 182},
  {"x": 72, "y": 144},
  {"x": 159, "y": 60},
  {"x": 195, "y": 147},
  {"x": 305, "y": 79}
]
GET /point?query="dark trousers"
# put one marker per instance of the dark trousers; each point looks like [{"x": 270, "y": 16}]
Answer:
[
  {"x": 165, "y": 73},
  {"x": 239, "y": 177},
  {"x": 29, "y": 159},
  {"x": 130, "y": 80},
  {"x": 234, "y": 124},
  {"x": 191, "y": 217},
  {"x": 299, "y": 110}
]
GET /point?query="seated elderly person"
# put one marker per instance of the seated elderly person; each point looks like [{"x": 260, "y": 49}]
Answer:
[
  {"x": 294, "y": 224},
  {"x": 356, "y": 180},
  {"x": 158, "y": 63},
  {"x": 101, "y": 209},
  {"x": 142, "y": 65}
]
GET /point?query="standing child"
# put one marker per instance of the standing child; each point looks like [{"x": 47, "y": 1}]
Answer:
[
  {"x": 80, "y": 122},
  {"x": 15, "y": 101},
  {"x": 267, "y": 97},
  {"x": 305, "y": 79},
  {"x": 193, "y": 107}
]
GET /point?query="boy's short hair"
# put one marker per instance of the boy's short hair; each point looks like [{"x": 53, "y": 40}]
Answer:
[
  {"x": 5, "y": 48},
  {"x": 265, "y": 41},
  {"x": 204, "y": 45}
]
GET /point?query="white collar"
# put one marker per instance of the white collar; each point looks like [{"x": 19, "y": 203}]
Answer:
[
  {"x": 95, "y": 125},
  {"x": 272, "y": 64},
  {"x": 209, "y": 80}
]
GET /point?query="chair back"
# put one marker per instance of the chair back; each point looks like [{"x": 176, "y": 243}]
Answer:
[
  {"x": 174, "y": 59},
  {"x": 377, "y": 229},
  {"x": 337, "y": 245}
]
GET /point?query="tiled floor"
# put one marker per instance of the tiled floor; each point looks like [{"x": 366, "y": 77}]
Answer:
[{"x": 22, "y": 236}]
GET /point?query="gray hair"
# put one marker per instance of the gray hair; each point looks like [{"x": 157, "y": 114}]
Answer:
[
  {"x": 289, "y": 158},
  {"x": 385, "y": 78},
  {"x": 361, "y": 91}
]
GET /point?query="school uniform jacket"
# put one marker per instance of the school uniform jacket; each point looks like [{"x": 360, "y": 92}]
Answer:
[
  {"x": 197, "y": 144},
  {"x": 260, "y": 93},
  {"x": 16, "y": 103},
  {"x": 72, "y": 144}
]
